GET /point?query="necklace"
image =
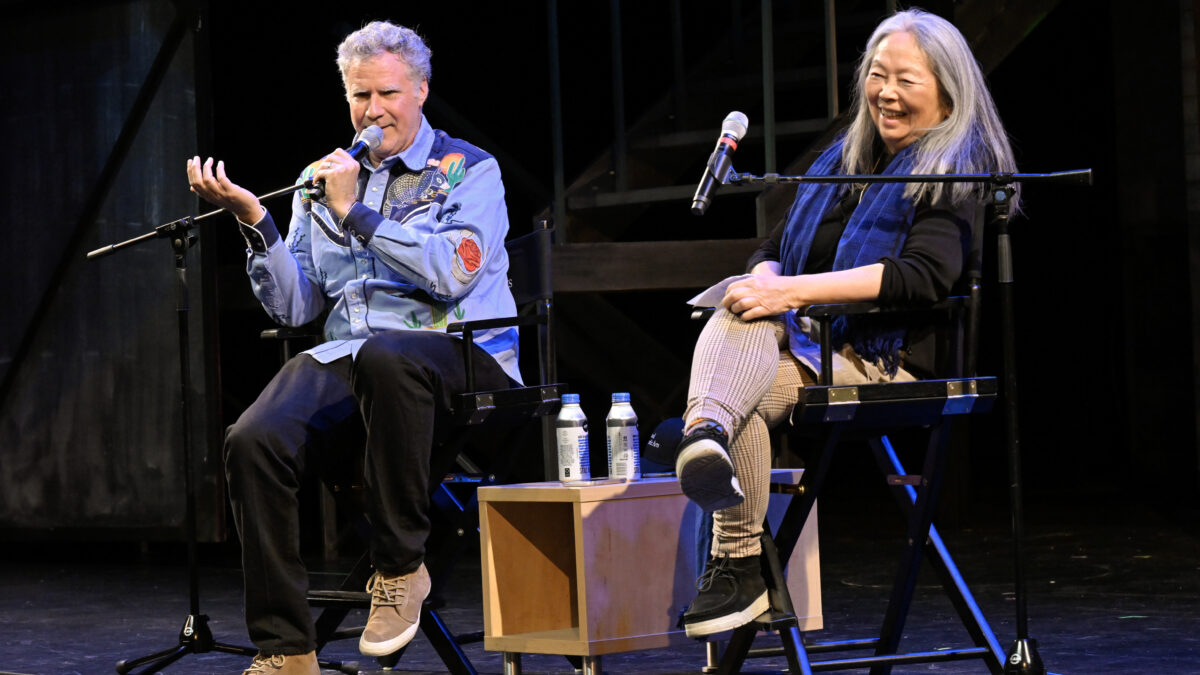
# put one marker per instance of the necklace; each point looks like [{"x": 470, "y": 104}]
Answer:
[{"x": 857, "y": 189}]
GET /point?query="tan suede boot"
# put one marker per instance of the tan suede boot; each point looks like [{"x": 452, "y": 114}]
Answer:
[
  {"x": 279, "y": 664},
  {"x": 395, "y": 611}
]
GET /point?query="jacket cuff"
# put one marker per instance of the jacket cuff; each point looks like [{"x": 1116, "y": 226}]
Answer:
[
  {"x": 361, "y": 222},
  {"x": 261, "y": 235}
]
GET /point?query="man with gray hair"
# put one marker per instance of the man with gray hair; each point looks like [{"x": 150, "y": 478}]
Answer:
[{"x": 402, "y": 241}]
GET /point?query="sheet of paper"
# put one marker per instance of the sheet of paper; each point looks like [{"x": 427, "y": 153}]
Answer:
[{"x": 713, "y": 295}]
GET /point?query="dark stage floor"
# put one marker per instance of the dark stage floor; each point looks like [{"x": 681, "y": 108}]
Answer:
[{"x": 1113, "y": 589}]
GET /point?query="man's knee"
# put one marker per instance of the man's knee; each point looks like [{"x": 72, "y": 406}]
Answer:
[
  {"x": 401, "y": 356},
  {"x": 384, "y": 351},
  {"x": 249, "y": 445}
]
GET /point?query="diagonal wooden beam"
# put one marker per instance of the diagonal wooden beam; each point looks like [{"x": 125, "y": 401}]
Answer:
[
  {"x": 73, "y": 250},
  {"x": 994, "y": 29},
  {"x": 599, "y": 344},
  {"x": 648, "y": 265}
]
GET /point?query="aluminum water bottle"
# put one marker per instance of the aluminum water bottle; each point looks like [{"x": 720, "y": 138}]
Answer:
[
  {"x": 624, "y": 462},
  {"x": 574, "y": 463}
]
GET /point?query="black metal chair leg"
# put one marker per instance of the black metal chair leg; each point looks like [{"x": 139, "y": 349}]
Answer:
[
  {"x": 736, "y": 650},
  {"x": 348, "y": 667},
  {"x": 920, "y": 521},
  {"x": 339, "y": 604},
  {"x": 798, "y": 510},
  {"x": 444, "y": 643},
  {"x": 964, "y": 602},
  {"x": 793, "y": 647},
  {"x": 774, "y": 575},
  {"x": 781, "y": 603},
  {"x": 939, "y": 557}
]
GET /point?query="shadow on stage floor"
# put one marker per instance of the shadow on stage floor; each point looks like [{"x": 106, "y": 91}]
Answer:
[{"x": 1114, "y": 588}]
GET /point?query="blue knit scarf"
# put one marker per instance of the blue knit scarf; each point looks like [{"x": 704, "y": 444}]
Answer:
[{"x": 876, "y": 229}]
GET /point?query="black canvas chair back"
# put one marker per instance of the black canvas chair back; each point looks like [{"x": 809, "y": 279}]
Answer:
[
  {"x": 530, "y": 280},
  {"x": 454, "y": 510},
  {"x": 838, "y": 411}
]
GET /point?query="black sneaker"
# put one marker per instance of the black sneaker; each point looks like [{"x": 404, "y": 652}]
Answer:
[
  {"x": 705, "y": 470},
  {"x": 732, "y": 594}
]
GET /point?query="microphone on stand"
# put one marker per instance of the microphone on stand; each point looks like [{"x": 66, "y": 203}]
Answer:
[
  {"x": 719, "y": 162},
  {"x": 368, "y": 140}
]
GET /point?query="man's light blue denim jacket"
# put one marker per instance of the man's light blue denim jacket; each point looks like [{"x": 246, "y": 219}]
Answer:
[{"x": 423, "y": 247}]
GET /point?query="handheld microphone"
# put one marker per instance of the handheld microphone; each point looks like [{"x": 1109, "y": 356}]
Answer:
[
  {"x": 719, "y": 162},
  {"x": 368, "y": 140}
]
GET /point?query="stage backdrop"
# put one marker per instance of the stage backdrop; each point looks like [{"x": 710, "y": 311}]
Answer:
[{"x": 97, "y": 118}]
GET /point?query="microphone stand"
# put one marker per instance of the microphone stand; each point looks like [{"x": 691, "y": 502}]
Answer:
[
  {"x": 195, "y": 636},
  {"x": 185, "y": 224},
  {"x": 1022, "y": 657}
]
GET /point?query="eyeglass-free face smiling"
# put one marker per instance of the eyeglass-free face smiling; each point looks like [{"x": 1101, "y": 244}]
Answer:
[{"x": 902, "y": 92}]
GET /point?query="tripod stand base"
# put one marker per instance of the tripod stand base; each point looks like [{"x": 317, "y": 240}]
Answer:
[
  {"x": 194, "y": 638},
  {"x": 1023, "y": 659}
]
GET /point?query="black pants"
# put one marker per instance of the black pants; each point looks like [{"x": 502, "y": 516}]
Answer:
[{"x": 398, "y": 390}]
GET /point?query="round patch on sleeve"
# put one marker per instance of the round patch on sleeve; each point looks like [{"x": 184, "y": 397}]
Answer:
[
  {"x": 468, "y": 258},
  {"x": 468, "y": 252}
]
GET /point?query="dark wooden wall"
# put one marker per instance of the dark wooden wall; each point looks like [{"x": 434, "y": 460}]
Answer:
[
  {"x": 90, "y": 420},
  {"x": 1105, "y": 344}
]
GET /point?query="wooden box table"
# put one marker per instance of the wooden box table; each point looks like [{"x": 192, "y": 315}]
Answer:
[{"x": 593, "y": 569}]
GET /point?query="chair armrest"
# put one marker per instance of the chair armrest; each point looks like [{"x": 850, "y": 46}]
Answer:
[
  {"x": 845, "y": 308},
  {"x": 286, "y": 336},
  {"x": 823, "y": 315},
  {"x": 468, "y": 327},
  {"x": 291, "y": 332},
  {"x": 850, "y": 308},
  {"x": 517, "y": 403}
]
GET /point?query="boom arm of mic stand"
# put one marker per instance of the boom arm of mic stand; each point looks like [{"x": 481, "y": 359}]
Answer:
[
  {"x": 184, "y": 224},
  {"x": 1076, "y": 177}
]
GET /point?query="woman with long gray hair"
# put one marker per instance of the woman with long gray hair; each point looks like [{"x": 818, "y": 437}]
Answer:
[{"x": 921, "y": 106}]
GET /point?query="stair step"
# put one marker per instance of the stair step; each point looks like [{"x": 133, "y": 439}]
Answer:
[
  {"x": 783, "y": 78},
  {"x": 648, "y": 196},
  {"x": 600, "y": 267},
  {"x": 705, "y": 137}
]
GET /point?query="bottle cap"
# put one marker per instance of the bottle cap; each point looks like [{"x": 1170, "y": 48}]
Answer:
[
  {"x": 570, "y": 398},
  {"x": 621, "y": 397}
]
